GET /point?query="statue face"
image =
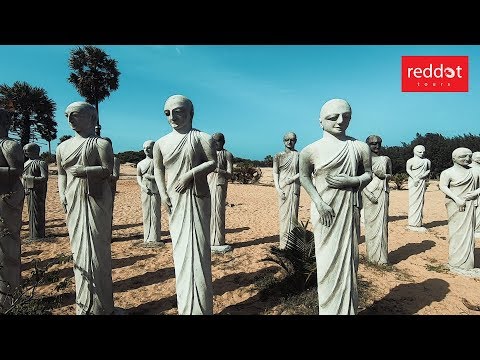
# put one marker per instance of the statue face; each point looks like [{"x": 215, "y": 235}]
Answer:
[
  {"x": 148, "y": 149},
  {"x": 476, "y": 157},
  {"x": 337, "y": 117},
  {"x": 178, "y": 114},
  {"x": 29, "y": 153},
  {"x": 419, "y": 151},
  {"x": 463, "y": 158},
  {"x": 79, "y": 121},
  {"x": 375, "y": 145},
  {"x": 290, "y": 140},
  {"x": 219, "y": 143}
]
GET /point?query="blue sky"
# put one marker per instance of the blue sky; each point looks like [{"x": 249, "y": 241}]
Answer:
[{"x": 256, "y": 93}]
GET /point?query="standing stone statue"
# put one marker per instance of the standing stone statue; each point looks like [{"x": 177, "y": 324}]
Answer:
[
  {"x": 218, "y": 183},
  {"x": 85, "y": 164},
  {"x": 184, "y": 157},
  {"x": 12, "y": 195},
  {"x": 375, "y": 198},
  {"x": 461, "y": 187},
  {"x": 286, "y": 178},
  {"x": 333, "y": 163},
  {"x": 35, "y": 177},
  {"x": 475, "y": 165},
  {"x": 418, "y": 169},
  {"x": 151, "y": 204}
]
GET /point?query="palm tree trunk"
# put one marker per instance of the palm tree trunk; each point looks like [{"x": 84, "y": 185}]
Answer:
[
  {"x": 98, "y": 128},
  {"x": 49, "y": 148},
  {"x": 25, "y": 130}
]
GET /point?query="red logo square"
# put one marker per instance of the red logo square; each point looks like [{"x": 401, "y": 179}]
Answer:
[{"x": 434, "y": 73}]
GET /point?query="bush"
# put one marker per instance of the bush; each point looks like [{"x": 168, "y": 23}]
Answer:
[
  {"x": 400, "y": 179},
  {"x": 48, "y": 158},
  {"x": 246, "y": 173}
]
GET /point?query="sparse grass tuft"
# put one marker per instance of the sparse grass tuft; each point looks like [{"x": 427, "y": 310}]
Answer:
[{"x": 440, "y": 268}]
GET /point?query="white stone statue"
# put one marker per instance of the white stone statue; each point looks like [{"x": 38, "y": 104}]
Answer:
[
  {"x": 184, "y": 157},
  {"x": 35, "y": 177},
  {"x": 12, "y": 196},
  {"x": 418, "y": 170},
  {"x": 332, "y": 162},
  {"x": 218, "y": 183},
  {"x": 375, "y": 199},
  {"x": 151, "y": 204},
  {"x": 461, "y": 186},
  {"x": 85, "y": 164},
  {"x": 475, "y": 165},
  {"x": 286, "y": 178}
]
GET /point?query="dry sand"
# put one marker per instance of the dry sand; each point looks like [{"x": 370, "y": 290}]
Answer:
[{"x": 143, "y": 278}]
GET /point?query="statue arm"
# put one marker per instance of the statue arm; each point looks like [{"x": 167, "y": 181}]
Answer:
[
  {"x": 443, "y": 185},
  {"x": 116, "y": 169},
  {"x": 389, "y": 172},
  {"x": 276, "y": 175},
  {"x": 211, "y": 161},
  {"x": 43, "y": 173},
  {"x": 365, "y": 178},
  {"x": 229, "y": 172},
  {"x": 14, "y": 156},
  {"x": 344, "y": 181},
  {"x": 159, "y": 173},
  {"x": 139, "y": 179},
  {"x": 104, "y": 170},
  {"x": 62, "y": 179},
  {"x": 427, "y": 172},
  {"x": 306, "y": 169}
]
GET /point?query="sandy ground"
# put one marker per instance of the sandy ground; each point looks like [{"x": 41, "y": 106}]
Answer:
[{"x": 143, "y": 278}]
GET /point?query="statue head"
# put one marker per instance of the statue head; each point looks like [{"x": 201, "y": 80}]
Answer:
[
  {"x": 5, "y": 119},
  {"x": 419, "y": 151},
  {"x": 335, "y": 116},
  {"x": 179, "y": 112},
  {"x": 290, "y": 139},
  {"x": 462, "y": 156},
  {"x": 476, "y": 157},
  {"x": 32, "y": 151},
  {"x": 148, "y": 148},
  {"x": 82, "y": 117},
  {"x": 375, "y": 143},
  {"x": 219, "y": 139}
]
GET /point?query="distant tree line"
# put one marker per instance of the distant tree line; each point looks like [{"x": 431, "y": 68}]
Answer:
[{"x": 438, "y": 149}]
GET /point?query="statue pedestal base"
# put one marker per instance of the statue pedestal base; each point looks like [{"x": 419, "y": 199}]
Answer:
[
  {"x": 221, "y": 248},
  {"x": 417, "y": 228}
]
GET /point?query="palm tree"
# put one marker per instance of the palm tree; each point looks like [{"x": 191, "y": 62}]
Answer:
[
  {"x": 94, "y": 75},
  {"x": 32, "y": 111}
]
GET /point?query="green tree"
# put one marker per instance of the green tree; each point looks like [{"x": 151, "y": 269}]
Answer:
[
  {"x": 32, "y": 111},
  {"x": 94, "y": 75},
  {"x": 63, "y": 138}
]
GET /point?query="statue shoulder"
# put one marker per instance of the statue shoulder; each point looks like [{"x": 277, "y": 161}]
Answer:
[{"x": 10, "y": 145}]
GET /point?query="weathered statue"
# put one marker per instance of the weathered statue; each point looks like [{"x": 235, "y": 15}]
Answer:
[
  {"x": 35, "y": 177},
  {"x": 286, "y": 178},
  {"x": 151, "y": 204},
  {"x": 418, "y": 169},
  {"x": 12, "y": 195},
  {"x": 332, "y": 163},
  {"x": 460, "y": 185},
  {"x": 475, "y": 165},
  {"x": 375, "y": 204},
  {"x": 85, "y": 164},
  {"x": 184, "y": 157},
  {"x": 218, "y": 183}
]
